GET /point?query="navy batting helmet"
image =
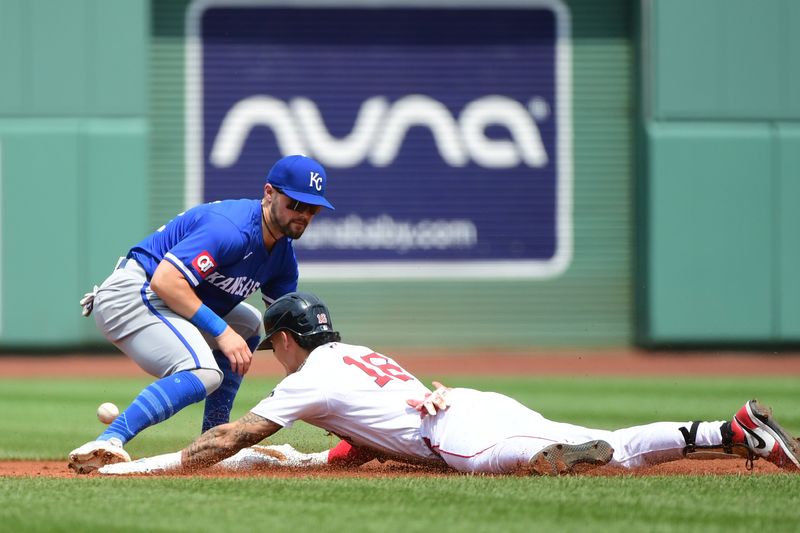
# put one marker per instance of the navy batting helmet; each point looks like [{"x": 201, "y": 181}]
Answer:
[{"x": 302, "y": 313}]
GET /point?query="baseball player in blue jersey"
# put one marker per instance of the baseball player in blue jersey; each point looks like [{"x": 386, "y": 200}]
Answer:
[{"x": 175, "y": 303}]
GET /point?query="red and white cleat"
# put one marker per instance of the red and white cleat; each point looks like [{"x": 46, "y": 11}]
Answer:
[{"x": 754, "y": 427}]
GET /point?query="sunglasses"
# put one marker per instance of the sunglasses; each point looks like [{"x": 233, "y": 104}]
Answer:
[{"x": 298, "y": 206}]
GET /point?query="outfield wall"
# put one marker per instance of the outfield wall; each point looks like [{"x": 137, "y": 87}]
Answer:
[
  {"x": 74, "y": 134},
  {"x": 721, "y": 177},
  {"x": 109, "y": 115}
]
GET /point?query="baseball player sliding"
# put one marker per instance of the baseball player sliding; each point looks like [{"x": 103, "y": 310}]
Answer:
[
  {"x": 175, "y": 304},
  {"x": 382, "y": 411}
]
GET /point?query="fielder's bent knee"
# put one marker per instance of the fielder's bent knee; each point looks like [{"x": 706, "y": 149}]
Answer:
[
  {"x": 211, "y": 378},
  {"x": 245, "y": 320}
]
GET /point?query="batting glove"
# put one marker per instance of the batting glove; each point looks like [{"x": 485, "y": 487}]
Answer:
[{"x": 87, "y": 302}]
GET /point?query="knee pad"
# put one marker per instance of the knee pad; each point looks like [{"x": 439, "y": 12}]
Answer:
[{"x": 210, "y": 378}]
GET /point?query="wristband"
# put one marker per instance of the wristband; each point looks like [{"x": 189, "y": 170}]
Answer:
[{"x": 208, "y": 321}]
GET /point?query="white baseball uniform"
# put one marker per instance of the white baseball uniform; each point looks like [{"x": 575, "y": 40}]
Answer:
[
  {"x": 360, "y": 395},
  {"x": 356, "y": 394}
]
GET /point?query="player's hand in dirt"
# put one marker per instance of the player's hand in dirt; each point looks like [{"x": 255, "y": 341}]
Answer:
[
  {"x": 432, "y": 401},
  {"x": 288, "y": 456},
  {"x": 157, "y": 464},
  {"x": 236, "y": 350},
  {"x": 282, "y": 455}
]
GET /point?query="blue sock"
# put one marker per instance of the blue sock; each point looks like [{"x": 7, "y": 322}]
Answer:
[
  {"x": 157, "y": 402},
  {"x": 220, "y": 402}
]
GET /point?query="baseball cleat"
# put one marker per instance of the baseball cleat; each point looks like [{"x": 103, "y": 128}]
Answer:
[
  {"x": 559, "y": 459},
  {"x": 754, "y": 427},
  {"x": 97, "y": 453}
]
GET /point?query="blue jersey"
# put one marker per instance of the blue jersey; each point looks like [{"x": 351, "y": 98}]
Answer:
[{"x": 219, "y": 248}]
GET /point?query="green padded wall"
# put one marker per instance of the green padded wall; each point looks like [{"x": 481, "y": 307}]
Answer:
[
  {"x": 710, "y": 232},
  {"x": 725, "y": 59},
  {"x": 73, "y": 159},
  {"x": 40, "y": 210},
  {"x": 720, "y": 254},
  {"x": 788, "y": 214}
]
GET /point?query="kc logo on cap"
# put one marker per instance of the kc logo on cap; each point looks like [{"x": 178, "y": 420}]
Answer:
[
  {"x": 315, "y": 181},
  {"x": 301, "y": 178}
]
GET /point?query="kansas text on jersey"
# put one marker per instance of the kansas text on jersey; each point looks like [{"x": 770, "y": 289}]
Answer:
[{"x": 219, "y": 249}]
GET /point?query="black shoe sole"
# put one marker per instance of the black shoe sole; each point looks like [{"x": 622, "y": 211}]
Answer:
[{"x": 559, "y": 459}]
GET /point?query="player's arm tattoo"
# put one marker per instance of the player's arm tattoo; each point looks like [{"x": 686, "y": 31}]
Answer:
[{"x": 223, "y": 441}]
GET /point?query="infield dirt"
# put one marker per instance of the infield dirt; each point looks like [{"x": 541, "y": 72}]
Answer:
[{"x": 685, "y": 467}]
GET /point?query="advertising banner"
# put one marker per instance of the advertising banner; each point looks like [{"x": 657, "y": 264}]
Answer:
[{"x": 445, "y": 131}]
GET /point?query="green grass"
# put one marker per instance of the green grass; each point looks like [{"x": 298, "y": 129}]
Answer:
[
  {"x": 46, "y": 418},
  {"x": 404, "y": 504}
]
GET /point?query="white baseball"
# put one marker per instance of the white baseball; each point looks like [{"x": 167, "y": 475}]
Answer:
[{"x": 107, "y": 412}]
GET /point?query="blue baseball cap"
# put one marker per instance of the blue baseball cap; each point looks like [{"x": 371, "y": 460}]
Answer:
[{"x": 300, "y": 178}]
